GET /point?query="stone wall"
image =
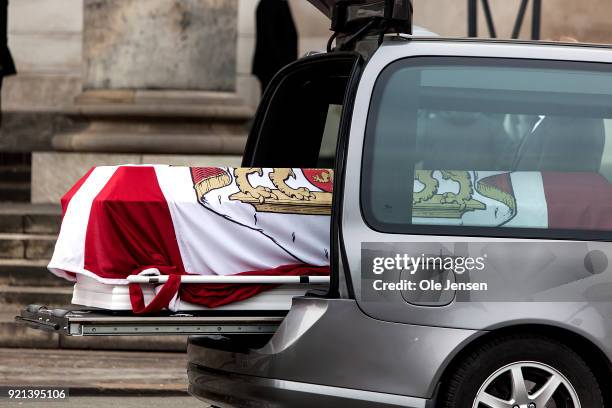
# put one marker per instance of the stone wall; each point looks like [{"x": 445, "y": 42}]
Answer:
[
  {"x": 160, "y": 44},
  {"x": 46, "y": 38},
  {"x": 46, "y": 35},
  {"x": 585, "y": 20}
]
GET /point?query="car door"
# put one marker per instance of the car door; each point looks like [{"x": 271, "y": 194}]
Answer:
[{"x": 497, "y": 153}]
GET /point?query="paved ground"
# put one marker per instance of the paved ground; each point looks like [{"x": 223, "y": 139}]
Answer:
[
  {"x": 142, "y": 379},
  {"x": 106, "y": 402},
  {"x": 95, "y": 371}
]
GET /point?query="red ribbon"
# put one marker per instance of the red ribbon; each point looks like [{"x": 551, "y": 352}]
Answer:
[{"x": 162, "y": 298}]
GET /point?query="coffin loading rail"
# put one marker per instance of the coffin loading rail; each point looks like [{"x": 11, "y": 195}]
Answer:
[
  {"x": 77, "y": 321},
  {"x": 242, "y": 279}
]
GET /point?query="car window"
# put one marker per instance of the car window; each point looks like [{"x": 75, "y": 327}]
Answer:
[
  {"x": 490, "y": 147},
  {"x": 327, "y": 152},
  {"x": 298, "y": 122}
]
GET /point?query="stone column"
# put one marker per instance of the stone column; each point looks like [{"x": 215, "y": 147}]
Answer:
[
  {"x": 158, "y": 86},
  {"x": 160, "y": 44},
  {"x": 159, "y": 76}
]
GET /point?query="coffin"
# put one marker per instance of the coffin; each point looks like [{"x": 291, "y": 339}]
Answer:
[
  {"x": 161, "y": 220},
  {"x": 180, "y": 222}
]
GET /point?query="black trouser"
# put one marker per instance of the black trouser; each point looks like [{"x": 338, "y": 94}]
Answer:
[{"x": 1, "y": 81}]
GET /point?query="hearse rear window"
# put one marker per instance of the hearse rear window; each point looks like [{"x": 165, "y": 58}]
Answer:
[{"x": 492, "y": 147}]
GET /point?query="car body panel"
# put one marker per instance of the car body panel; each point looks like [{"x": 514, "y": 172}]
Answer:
[
  {"x": 333, "y": 343},
  {"x": 211, "y": 387},
  {"x": 353, "y": 352}
]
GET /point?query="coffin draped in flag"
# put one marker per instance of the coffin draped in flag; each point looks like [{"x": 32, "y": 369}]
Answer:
[
  {"x": 543, "y": 200},
  {"x": 175, "y": 221},
  {"x": 129, "y": 220}
]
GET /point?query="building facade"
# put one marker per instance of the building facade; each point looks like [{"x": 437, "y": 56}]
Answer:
[{"x": 169, "y": 81}]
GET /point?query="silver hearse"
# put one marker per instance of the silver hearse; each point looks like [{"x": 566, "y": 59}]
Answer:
[
  {"x": 532, "y": 118},
  {"x": 497, "y": 154}
]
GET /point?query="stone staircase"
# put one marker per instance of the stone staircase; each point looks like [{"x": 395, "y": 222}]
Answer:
[
  {"x": 15, "y": 175},
  {"x": 27, "y": 238}
]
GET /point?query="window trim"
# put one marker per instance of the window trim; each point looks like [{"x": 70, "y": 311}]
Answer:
[{"x": 365, "y": 204}]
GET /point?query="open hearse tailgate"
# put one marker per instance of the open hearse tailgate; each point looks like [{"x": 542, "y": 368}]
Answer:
[{"x": 79, "y": 321}]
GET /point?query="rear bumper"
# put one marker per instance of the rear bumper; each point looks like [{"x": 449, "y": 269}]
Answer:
[
  {"x": 328, "y": 353},
  {"x": 246, "y": 391}
]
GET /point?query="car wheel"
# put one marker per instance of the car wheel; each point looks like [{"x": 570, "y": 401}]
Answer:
[{"x": 522, "y": 371}]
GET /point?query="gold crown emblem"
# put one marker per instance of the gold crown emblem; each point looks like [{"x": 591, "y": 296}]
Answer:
[
  {"x": 281, "y": 199},
  {"x": 428, "y": 203}
]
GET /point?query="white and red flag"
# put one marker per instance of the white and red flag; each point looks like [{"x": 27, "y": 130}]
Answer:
[
  {"x": 121, "y": 221},
  {"x": 127, "y": 220},
  {"x": 521, "y": 199}
]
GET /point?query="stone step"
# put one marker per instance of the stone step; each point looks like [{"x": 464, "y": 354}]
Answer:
[
  {"x": 15, "y": 173},
  {"x": 24, "y": 272},
  {"x": 30, "y": 218},
  {"x": 104, "y": 139},
  {"x": 102, "y": 372},
  {"x": 14, "y": 192},
  {"x": 158, "y": 97},
  {"x": 157, "y": 107},
  {"x": 26, "y": 246},
  {"x": 15, "y": 335},
  {"x": 21, "y": 296}
]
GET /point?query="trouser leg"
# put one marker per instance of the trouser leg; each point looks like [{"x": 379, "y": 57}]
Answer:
[{"x": 1, "y": 81}]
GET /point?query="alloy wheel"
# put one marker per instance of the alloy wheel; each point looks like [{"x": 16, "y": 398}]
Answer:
[{"x": 526, "y": 385}]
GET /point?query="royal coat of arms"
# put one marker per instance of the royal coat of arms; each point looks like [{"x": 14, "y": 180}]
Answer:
[
  {"x": 289, "y": 191},
  {"x": 468, "y": 197}
]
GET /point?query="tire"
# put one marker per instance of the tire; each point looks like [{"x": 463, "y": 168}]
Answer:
[{"x": 489, "y": 370}]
